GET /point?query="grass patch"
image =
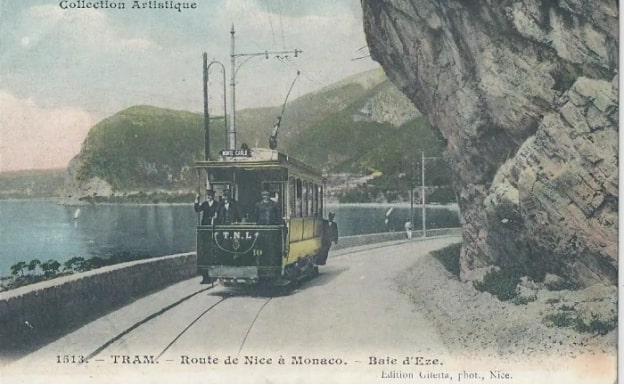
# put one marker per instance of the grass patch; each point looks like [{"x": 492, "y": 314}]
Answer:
[
  {"x": 449, "y": 257},
  {"x": 571, "y": 320},
  {"x": 500, "y": 283},
  {"x": 561, "y": 320}
]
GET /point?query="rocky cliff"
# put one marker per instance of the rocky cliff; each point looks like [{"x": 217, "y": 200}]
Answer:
[{"x": 526, "y": 95}]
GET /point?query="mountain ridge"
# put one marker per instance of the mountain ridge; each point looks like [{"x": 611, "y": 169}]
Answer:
[{"x": 146, "y": 148}]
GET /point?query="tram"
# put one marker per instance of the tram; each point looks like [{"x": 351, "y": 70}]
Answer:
[{"x": 246, "y": 251}]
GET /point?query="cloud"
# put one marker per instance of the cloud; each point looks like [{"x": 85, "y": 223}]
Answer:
[
  {"x": 88, "y": 28},
  {"x": 100, "y": 62},
  {"x": 32, "y": 137}
]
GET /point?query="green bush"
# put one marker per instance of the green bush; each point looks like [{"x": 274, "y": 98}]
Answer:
[
  {"x": 572, "y": 320},
  {"x": 449, "y": 257},
  {"x": 561, "y": 319},
  {"x": 501, "y": 283},
  {"x": 596, "y": 325}
]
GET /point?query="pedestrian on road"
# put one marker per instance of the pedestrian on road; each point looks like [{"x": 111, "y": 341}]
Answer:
[
  {"x": 408, "y": 229},
  {"x": 329, "y": 236}
]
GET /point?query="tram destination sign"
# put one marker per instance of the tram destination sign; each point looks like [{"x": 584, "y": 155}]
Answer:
[{"x": 235, "y": 152}]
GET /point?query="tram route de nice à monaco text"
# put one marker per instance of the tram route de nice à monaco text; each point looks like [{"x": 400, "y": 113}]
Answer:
[{"x": 171, "y": 5}]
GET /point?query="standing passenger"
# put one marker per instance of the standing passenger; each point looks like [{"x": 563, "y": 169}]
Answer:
[
  {"x": 267, "y": 211},
  {"x": 228, "y": 211},
  {"x": 208, "y": 207}
]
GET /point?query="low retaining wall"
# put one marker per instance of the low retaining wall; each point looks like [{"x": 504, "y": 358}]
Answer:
[
  {"x": 358, "y": 240},
  {"x": 33, "y": 315}
]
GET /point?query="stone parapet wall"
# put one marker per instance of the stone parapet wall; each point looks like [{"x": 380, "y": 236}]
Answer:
[
  {"x": 358, "y": 240},
  {"x": 35, "y": 314}
]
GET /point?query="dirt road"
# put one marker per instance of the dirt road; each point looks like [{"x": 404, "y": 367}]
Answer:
[{"x": 349, "y": 319}]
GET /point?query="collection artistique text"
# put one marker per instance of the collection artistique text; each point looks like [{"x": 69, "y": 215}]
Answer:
[{"x": 105, "y": 4}]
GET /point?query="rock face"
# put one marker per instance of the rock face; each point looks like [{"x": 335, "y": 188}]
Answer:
[
  {"x": 75, "y": 189},
  {"x": 388, "y": 105},
  {"x": 526, "y": 95}
]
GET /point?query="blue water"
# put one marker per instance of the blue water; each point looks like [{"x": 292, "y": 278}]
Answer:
[{"x": 45, "y": 230}]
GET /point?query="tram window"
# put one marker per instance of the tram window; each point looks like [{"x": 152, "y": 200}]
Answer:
[
  {"x": 305, "y": 198},
  {"x": 321, "y": 192},
  {"x": 310, "y": 199},
  {"x": 220, "y": 189},
  {"x": 292, "y": 196},
  {"x": 319, "y": 201},
  {"x": 275, "y": 193},
  {"x": 315, "y": 209},
  {"x": 299, "y": 201}
]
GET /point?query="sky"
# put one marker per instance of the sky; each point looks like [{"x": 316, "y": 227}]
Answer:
[{"x": 64, "y": 68}]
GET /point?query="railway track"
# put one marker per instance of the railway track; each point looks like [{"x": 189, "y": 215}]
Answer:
[
  {"x": 226, "y": 293},
  {"x": 242, "y": 295}
]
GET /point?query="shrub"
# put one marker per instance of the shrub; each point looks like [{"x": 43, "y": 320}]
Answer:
[
  {"x": 501, "y": 283},
  {"x": 561, "y": 319},
  {"x": 523, "y": 300},
  {"x": 572, "y": 320},
  {"x": 596, "y": 325}
]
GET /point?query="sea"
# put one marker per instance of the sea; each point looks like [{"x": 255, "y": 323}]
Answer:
[{"x": 46, "y": 230}]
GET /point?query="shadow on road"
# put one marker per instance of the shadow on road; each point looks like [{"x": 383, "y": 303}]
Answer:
[{"x": 325, "y": 276}]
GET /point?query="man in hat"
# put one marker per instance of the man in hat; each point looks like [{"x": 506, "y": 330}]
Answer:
[
  {"x": 329, "y": 236},
  {"x": 228, "y": 211},
  {"x": 208, "y": 207},
  {"x": 266, "y": 211}
]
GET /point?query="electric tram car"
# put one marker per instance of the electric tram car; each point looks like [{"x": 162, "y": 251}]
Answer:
[{"x": 246, "y": 252}]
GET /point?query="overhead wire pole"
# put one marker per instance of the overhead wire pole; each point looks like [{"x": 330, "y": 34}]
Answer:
[
  {"x": 233, "y": 56},
  {"x": 423, "y": 199}
]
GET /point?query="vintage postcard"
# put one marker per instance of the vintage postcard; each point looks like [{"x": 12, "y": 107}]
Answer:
[{"x": 336, "y": 191}]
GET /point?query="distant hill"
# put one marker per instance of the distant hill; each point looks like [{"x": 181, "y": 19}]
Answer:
[
  {"x": 32, "y": 184},
  {"x": 361, "y": 124}
]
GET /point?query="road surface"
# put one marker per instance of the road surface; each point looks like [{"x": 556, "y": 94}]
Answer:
[{"x": 351, "y": 319}]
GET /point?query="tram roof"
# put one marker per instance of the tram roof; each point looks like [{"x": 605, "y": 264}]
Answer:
[{"x": 256, "y": 158}]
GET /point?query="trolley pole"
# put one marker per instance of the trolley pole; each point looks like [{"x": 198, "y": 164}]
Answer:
[
  {"x": 411, "y": 185},
  {"x": 206, "y": 114},
  {"x": 231, "y": 144},
  {"x": 422, "y": 191},
  {"x": 206, "y": 109},
  {"x": 231, "y": 141}
]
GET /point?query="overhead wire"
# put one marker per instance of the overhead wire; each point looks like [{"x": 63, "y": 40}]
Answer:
[
  {"x": 270, "y": 21},
  {"x": 279, "y": 3},
  {"x": 286, "y": 61}
]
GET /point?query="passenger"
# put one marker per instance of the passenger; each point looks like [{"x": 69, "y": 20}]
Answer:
[
  {"x": 329, "y": 236},
  {"x": 267, "y": 211},
  {"x": 208, "y": 207},
  {"x": 228, "y": 211}
]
